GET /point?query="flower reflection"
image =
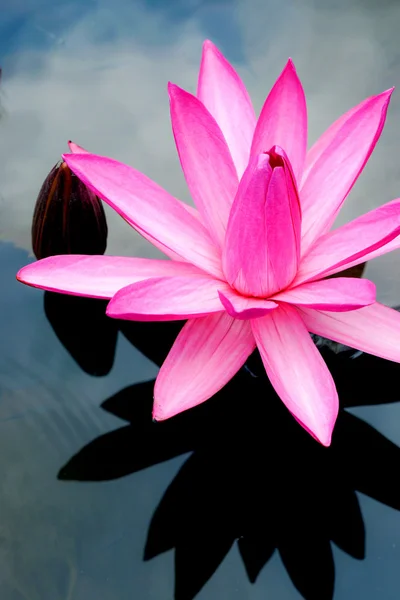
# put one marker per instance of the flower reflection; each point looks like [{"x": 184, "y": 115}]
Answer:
[{"x": 242, "y": 482}]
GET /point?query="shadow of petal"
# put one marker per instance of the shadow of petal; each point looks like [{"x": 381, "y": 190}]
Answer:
[{"x": 82, "y": 326}]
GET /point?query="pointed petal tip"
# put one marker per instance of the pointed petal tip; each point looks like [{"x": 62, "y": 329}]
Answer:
[
  {"x": 326, "y": 428},
  {"x": 160, "y": 414},
  {"x": 173, "y": 89},
  {"x": 277, "y": 150},
  {"x": 23, "y": 275},
  {"x": 326, "y": 439},
  {"x": 165, "y": 407},
  {"x": 289, "y": 66},
  {"x": 113, "y": 310},
  {"x": 325, "y": 435},
  {"x": 210, "y": 49},
  {"x": 209, "y": 45},
  {"x": 245, "y": 309},
  {"x": 76, "y": 149},
  {"x": 262, "y": 161},
  {"x": 386, "y": 96},
  {"x": 110, "y": 312},
  {"x": 290, "y": 63},
  {"x": 176, "y": 93},
  {"x": 19, "y": 277},
  {"x": 155, "y": 415},
  {"x": 321, "y": 431}
]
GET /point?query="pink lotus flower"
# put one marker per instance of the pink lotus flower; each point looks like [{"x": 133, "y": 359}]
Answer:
[{"x": 249, "y": 266}]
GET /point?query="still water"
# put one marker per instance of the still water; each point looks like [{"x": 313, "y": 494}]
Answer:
[{"x": 231, "y": 499}]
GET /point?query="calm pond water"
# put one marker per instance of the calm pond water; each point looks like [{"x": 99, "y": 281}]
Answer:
[{"x": 231, "y": 499}]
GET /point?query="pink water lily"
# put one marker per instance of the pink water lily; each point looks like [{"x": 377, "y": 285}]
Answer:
[{"x": 248, "y": 266}]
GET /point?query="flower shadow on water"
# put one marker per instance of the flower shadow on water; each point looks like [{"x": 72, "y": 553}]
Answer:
[
  {"x": 84, "y": 329},
  {"x": 254, "y": 477}
]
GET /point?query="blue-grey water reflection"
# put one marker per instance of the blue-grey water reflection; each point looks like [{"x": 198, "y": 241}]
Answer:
[{"x": 88, "y": 490}]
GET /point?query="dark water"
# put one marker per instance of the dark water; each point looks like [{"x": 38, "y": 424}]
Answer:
[{"x": 231, "y": 500}]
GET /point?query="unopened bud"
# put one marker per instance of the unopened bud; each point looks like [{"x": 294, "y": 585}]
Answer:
[{"x": 68, "y": 218}]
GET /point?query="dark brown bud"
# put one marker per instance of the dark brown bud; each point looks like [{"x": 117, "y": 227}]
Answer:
[{"x": 68, "y": 218}]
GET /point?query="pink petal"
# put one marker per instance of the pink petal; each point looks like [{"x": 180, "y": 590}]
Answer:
[
  {"x": 205, "y": 159},
  {"x": 374, "y": 329},
  {"x": 148, "y": 208},
  {"x": 297, "y": 371},
  {"x": 283, "y": 120},
  {"x": 243, "y": 307},
  {"x": 326, "y": 138},
  {"x": 339, "y": 294},
  {"x": 353, "y": 243},
  {"x": 75, "y": 149},
  {"x": 262, "y": 241},
  {"x": 224, "y": 95},
  {"x": 386, "y": 248},
  {"x": 170, "y": 253},
  {"x": 98, "y": 276},
  {"x": 205, "y": 356},
  {"x": 337, "y": 168},
  {"x": 167, "y": 299}
]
